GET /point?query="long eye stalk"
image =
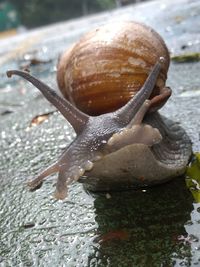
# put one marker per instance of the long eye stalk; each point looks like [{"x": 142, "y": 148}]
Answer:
[
  {"x": 75, "y": 117},
  {"x": 127, "y": 112}
]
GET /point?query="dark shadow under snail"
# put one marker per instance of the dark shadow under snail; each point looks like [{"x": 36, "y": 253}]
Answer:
[{"x": 131, "y": 146}]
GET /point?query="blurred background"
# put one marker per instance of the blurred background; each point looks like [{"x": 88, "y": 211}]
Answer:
[{"x": 22, "y": 14}]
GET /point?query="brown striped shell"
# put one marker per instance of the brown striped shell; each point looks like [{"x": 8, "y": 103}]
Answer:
[{"x": 109, "y": 65}]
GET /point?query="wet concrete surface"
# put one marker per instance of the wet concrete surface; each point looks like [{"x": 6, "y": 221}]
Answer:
[{"x": 155, "y": 227}]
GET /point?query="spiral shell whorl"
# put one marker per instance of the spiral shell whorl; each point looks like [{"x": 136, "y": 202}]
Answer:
[{"x": 109, "y": 65}]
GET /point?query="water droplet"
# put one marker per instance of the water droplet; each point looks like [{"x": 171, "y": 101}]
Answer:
[
  {"x": 81, "y": 171},
  {"x": 189, "y": 223},
  {"x": 193, "y": 238},
  {"x": 162, "y": 59},
  {"x": 108, "y": 196},
  {"x": 88, "y": 165}
]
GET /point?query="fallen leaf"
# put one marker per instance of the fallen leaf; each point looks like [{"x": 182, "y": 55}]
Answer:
[
  {"x": 115, "y": 235},
  {"x": 193, "y": 177},
  {"x": 40, "y": 119},
  {"x": 188, "y": 57},
  {"x": 28, "y": 225},
  {"x": 6, "y": 112}
]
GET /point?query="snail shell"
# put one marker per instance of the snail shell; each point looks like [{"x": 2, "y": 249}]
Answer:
[{"x": 109, "y": 65}]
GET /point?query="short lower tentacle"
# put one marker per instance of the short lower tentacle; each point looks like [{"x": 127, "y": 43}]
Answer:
[
  {"x": 38, "y": 180},
  {"x": 61, "y": 185}
]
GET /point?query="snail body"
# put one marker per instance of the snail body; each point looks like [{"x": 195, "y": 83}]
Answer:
[{"x": 122, "y": 140}]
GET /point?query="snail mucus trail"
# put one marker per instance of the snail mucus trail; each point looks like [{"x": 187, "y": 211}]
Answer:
[{"x": 129, "y": 130}]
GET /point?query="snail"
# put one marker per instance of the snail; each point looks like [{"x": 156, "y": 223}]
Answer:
[{"x": 113, "y": 84}]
